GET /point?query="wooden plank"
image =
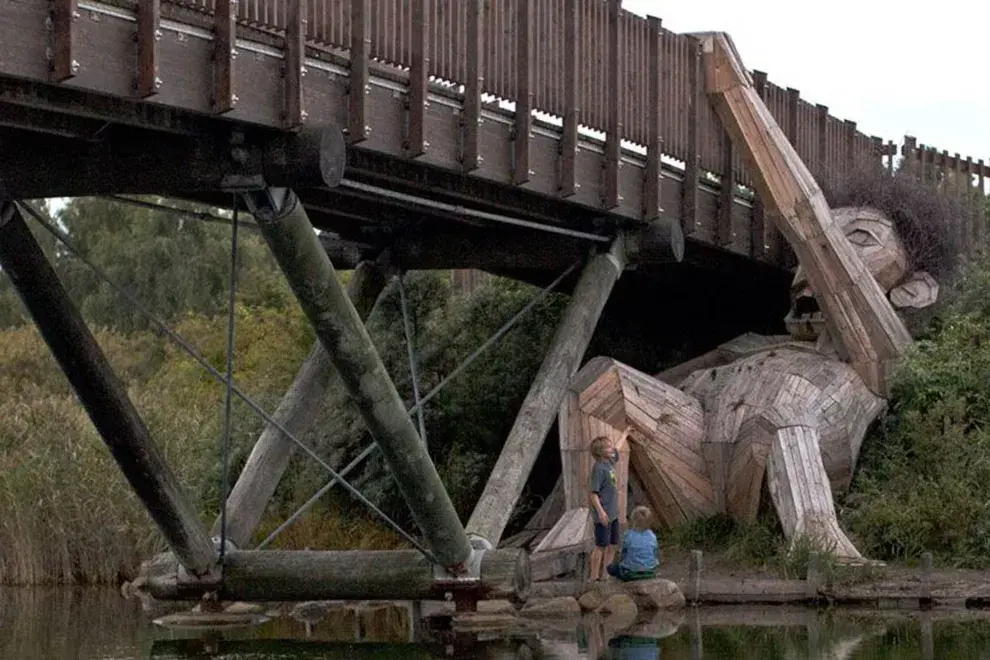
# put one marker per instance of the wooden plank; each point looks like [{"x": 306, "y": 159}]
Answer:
[
  {"x": 471, "y": 117},
  {"x": 419, "y": 69},
  {"x": 652, "y": 184},
  {"x": 821, "y": 123},
  {"x": 770, "y": 239},
  {"x": 64, "y": 64},
  {"x": 224, "y": 16},
  {"x": 569, "y": 135},
  {"x": 692, "y": 164},
  {"x": 524, "y": 92},
  {"x": 793, "y": 102},
  {"x": 357, "y": 99},
  {"x": 613, "y": 118},
  {"x": 295, "y": 51},
  {"x": 148, "y": 35}
]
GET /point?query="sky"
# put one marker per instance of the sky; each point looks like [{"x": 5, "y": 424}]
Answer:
[{"x": 895, "y": 68}]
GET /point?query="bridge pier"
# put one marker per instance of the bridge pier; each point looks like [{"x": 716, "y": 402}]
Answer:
[
  {"x": 102, "y": 394},
  {"x": 287, "y": 230},
  {"x": 296, "y": 412},
  {"x": 539, "y": 409}
]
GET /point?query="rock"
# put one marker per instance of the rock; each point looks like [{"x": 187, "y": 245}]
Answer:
[
  {"x": 496, "y": 607},
  {"x": 312, "y": 610},
  {"x": 552, "y": 608},
  {"x": 591, "y": 600},
  {"x": 620, "y": 604},
  {"x": 244, "y": 608},
  {"x": 656, "y": 594}
]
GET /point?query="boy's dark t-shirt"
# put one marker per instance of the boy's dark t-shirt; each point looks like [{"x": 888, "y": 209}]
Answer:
[{"x": 603, "y": 482}]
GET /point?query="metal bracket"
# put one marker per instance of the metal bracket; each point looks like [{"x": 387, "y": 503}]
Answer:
[{"x": 269, "y": 204}]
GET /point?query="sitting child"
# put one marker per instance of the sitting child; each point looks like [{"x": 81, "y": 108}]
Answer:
[{"x": 640, "y": 552}]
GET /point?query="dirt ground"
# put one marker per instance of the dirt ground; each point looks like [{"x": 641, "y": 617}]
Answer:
[{"x": 890, "y": 580}]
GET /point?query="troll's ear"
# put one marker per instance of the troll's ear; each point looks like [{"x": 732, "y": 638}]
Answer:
[{"x": 919, "y": 290}]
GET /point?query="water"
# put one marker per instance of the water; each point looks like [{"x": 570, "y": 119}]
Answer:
[{"x": 100, "y": 625}]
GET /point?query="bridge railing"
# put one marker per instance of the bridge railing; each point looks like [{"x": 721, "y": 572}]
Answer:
[{"x": 527, "y": 59}]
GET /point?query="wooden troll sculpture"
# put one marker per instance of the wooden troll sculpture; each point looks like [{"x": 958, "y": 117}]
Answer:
[{"x": 789, "y": 412}]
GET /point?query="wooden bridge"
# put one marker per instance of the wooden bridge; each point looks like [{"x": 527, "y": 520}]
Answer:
[{"x": 517, "y": 137}]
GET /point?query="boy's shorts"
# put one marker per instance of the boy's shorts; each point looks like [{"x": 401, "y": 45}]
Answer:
[{"x": 606, "y": 535}]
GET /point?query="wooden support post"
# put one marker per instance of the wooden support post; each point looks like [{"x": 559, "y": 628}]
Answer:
[
  {"x": 821, "y": 121},
  {"x": 926, "y": 579},
  {"x": 101, "y": 393},
  {"x": 771, "y": 241},
  {"x": 295, "y": 54},
  {"x": 63, "y": 64},
  {"x": 297, "y": 411},
  {"x": 539, "y": 409},
  {"x": 891, "y": 153},
  {"x": 302, "y": 575},
  {"x": 296, "y": 247},
  {"x": 793, "y": 101},
  {"x": 927, "y": 637},
  {"x": 727, "y": 194},
  {"x": 652, "y": 184},
  {"x": 569, "y": 135},
  {"x": 909, "y": 152},
  {"x": 419, "y": 71},
  {"x": 224, "y": 34},
  {"x": 613, "y": 110},
  {"x": 692, "y": 162},
  {"x": 524, "y": 91},
  {"x": 850, "y": 149},
  {"x": 471, "y": 117},
  {"x": 147, "y": 82},
  {"x": 813, "y": 579},
  {"x": 697, "y": 635},
  {"x": 357, "y": 100},
  {"x": 694, "y": 577}
]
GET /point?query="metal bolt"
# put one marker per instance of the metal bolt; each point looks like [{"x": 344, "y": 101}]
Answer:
[
  {"x": 303, "y": 115},
  {"x": 49, "y": 23},
  {"x": 158, "y": 82},
  {"x": 367, "y": 89},
  {"x": 158, "y": 35},
  {"x": 577, "y": 186},
  {"x": 233, "y": 53},
  {"x": 367, "y": 130},
  {"x": 532, "y": 173},
  {"x": 74, "y": 66},
  {"x": 426, "y": 144},
  {"x": 75, "y": 15},
  {"x": 302, "y": 72},
  {"x": 233, "y": 99},
  {"x": 481, "y": 159}
]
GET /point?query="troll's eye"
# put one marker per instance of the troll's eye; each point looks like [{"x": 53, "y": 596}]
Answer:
[{"x": 863, "y": 238}]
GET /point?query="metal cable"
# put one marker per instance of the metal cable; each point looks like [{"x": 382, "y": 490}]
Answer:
[
  {"x": 228, "y": 398},
  {"x": 199, "y": 215},
  {"x": 175, "y": 337},
  {"x": 407, "y": 327},
  {"x": 461, "y": 367}
]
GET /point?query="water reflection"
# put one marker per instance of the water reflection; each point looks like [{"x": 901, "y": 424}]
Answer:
[{"x": 99, "y": 624}]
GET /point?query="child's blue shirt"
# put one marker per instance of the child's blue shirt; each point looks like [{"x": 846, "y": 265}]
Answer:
[{"x": 639, "y": 550}]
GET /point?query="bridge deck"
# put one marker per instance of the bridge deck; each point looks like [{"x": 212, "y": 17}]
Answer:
[{"x": 73, "y": 69}]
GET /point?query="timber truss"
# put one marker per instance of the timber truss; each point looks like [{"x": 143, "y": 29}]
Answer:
[{"x": 450, "y": 560}]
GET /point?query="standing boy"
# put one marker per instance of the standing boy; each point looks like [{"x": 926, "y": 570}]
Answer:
[{"x": 604, "y": 505}]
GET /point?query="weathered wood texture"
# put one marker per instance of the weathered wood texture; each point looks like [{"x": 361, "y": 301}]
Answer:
[
  {"x": 574, "y": 528},
  {"x": 307, "y": 267},
  {"x": 855, "y": 307},
  {"x": 301, "y": 575},
  {"x": 102, "y": 394},
  {"x": 296, "y": 412},
  {"x": 538, "y": 410}
]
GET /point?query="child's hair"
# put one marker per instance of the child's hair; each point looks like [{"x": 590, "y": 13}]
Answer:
[
  {"x": 598, "y": 446},
  {"x": 641, "y": 518}
]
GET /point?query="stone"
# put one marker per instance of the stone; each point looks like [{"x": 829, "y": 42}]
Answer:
[
  {"x": 620, "y": 604},
  {"x": 591, "y": 600},
  {"x": 496, "y": 607},
  {"x": 552, "y": 608},
  {"x": 656, "y": 594},
  {"x": 244, "y": 608}
]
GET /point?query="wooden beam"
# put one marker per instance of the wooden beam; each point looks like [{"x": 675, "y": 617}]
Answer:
[
  {"x": 297, "y": 249},
  {"x": 307, "y": 575},
  {"x": 471, "y": 117},
  {"x": 572, "y": 113},
  {"x": 224, "y": 35},
  {"x": 147, "y": 82},
  {"x": 64, "y": 64},
  {"x": 357, "y": 100},
  {"x": 613, "y": 109},
  {"x": 296, "y": 412},
  {"x": 101, "y": 393},
  {"x": 419, "y": 70},
  {"x": 727, "y": 194},
  {"x": 524, "y": 92},
  {"x": 539, "y": 409},
  {"x": 652, "y": 183},
  {"x": 295, "y": 53}
]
